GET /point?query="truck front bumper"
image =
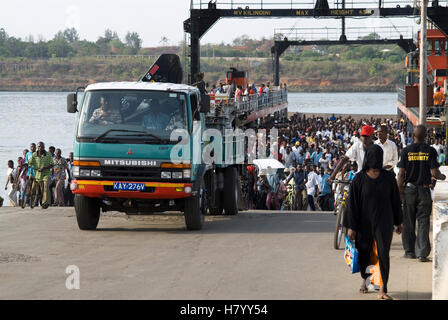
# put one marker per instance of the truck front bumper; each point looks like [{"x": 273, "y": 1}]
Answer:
[{"x": 153, "y": 190}]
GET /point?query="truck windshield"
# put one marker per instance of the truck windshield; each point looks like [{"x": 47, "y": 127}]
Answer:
[{"x": 134, "y": 115}]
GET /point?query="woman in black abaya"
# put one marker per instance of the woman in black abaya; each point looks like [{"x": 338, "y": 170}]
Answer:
[{"x": 374, "y": 208}]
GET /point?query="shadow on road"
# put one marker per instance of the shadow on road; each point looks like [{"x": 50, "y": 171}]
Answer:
[{"x": 242, "y": 223}]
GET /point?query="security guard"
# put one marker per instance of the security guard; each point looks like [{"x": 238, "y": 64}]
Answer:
[{"x": 418, "y": 171}]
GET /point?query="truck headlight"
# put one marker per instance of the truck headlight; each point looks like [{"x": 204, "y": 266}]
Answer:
[
  {"x": 186, "y": 173},
  {"x": 95, "y": 173},
  {"x": 84, "y": 172},
  {"x": 177, "y": 175},
  {"x": 76, "y": 171},
  {"x": 166, "y": 175}
]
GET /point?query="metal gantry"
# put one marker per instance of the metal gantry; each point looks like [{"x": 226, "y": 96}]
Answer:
[
  {"x": 204, "y": 14},
  {"x": 401, "y": 36}
]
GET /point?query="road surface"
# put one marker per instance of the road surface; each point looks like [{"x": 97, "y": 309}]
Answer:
[{"x": 254, "y": 255}]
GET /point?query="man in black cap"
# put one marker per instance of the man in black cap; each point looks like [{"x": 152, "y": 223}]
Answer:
[{"x": 418, "y": 171}]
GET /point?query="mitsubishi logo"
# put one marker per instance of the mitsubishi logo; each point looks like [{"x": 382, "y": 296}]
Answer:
[{"x": 130, "y": 151}]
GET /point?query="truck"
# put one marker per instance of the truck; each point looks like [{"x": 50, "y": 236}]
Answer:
[{"x": 139, "y": 147}]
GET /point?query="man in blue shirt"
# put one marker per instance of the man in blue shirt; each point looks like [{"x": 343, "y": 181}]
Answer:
[
  {"x": 156, "y": 118},
  {"x": 300, "y": 179},
  {"x": 273, "y": 182},
  {"x": 301, "y": 157},
  {"x": 315, "y": 156},
  {"x": 326, "y": 202},
  {"x": 30, "y": 172}
]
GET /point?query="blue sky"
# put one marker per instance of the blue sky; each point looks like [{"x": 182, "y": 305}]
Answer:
[{"x": 152, "y": 19}]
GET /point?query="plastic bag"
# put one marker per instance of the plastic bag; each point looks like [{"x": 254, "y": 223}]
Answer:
[{"x": 351, "y": 255}]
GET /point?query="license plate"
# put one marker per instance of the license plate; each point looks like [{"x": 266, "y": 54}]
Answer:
[{"x": 129, "y": 186}]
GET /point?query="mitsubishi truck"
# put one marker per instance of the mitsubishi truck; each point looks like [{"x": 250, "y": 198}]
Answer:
[{"x": 154, "y": 146}]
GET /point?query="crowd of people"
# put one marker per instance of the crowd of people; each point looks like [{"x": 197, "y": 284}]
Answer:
[
  {"x": 45, "y": 174},
  {"x": 311, "y": 148},
  {"x": 393, "y": 170}
]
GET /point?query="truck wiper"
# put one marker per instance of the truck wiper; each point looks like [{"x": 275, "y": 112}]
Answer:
[
  {"x": 112, "y": 130},
  {"x": 144, "y": 134}
]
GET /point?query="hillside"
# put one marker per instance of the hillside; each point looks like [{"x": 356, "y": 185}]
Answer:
[{"x": 64, "y": 63}]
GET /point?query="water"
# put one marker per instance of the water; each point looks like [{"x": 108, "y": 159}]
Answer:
[
  {"x": 32, "y": 117},
  {"x": 347, "y": 103},
  {"x": 41, "y": 116}
]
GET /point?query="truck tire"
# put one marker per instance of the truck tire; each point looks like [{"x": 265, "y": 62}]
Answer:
[
  {"x": 218, "y": 210},
  {"x": 230, "y": 191},
  {"x": 195, "y": 209},
  {"x": 87, "y": 212}
]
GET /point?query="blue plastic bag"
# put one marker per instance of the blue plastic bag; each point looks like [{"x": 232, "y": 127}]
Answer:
[{"x": 351, "y": 255}]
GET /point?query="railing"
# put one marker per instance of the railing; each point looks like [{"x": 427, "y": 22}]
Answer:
[
  {"x": 305, "y": 4},
  {"x": 253, "y": 102},
  {"x": 402, "y": 95},
  {"x": 129, "y": 56},
  {"x": 436, "y": 112},
  {"x": 352, "y": 33}
]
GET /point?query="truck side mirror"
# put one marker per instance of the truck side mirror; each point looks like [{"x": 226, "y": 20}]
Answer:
[
  {"x": 204, "y": 105},
  {"x": 72, "y": 103}
]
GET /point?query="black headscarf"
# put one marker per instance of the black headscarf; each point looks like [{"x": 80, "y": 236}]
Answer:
[{"x": 373, "y": 158}]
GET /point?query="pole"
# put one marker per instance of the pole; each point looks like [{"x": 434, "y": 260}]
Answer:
[
  {"x": 276, "y": 67},
  {"x": 423, "y": 68}
]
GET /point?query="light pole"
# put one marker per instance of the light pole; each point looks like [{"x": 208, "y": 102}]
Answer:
[{"x": 423, "y": 68}]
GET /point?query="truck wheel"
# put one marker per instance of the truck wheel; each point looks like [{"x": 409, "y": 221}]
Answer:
[
  {"x": 195, "y": 209},
  {"x": 87, "y": 212},
  {"x": 217, "y": 211},
  {"x": 230, "y": 191}
]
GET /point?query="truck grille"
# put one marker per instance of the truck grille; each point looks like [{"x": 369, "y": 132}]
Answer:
[{"x": 130, "y": 173}]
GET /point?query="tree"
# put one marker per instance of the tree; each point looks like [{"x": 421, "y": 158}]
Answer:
[
  {"x": 3, "y": 35},
  {"x": 241, "y": 41},
  {"x": 59, "y": 35},
  {"x": 71, "y": 35},
  {"x": 110, "y": 35},
  {"x": 59, "y": 48},
  {"x": 164, "y": 41},
  {"x": 36, "y": 50},
  {"x": 367, "y": 52},
  {"x": 86, "y": 48},
  {"x": 116, "y": 46},
  {"x": 133, "y": 41}
]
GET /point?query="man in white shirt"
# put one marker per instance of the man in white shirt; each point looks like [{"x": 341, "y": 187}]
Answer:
[
  {"x": 296, "y": 149},
  {"x": 438, "y": 147},
  {"x": 390, "y": 153},
  {"x": 12, "y": 192},
  {"x": 356, "y": 151},
  {"x": 282, "y": 151},
  {"x": 312, "y": 187}
]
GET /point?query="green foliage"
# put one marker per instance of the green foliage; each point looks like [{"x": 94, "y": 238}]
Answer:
[
  {"x": 133, "y": 42},
  {"x": 59, "y": 48},
  {"x": 368, "y": 52}
]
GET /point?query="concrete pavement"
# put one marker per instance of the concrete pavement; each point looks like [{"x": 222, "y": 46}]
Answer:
[{"x": 254, "y": 255}]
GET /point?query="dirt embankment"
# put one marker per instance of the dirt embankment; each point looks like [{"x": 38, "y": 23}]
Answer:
[
  {"x": 294, "y": 85},
  {"x": 341, "y": 85},
  {"x": 41, "y": 84}
]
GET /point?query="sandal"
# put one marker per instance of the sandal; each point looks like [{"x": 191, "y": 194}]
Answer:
[
  {"x": 363, "y": 289},
  {"x": 385, "y": 297}
]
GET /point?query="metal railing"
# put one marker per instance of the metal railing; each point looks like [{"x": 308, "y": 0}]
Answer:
[
  {"x": 352, "y": 33},
  {"x": 401, "y": 95},
  {"x": 253, "y": 102},
  {"x": 305, "y": 4},
  {"x": 436, "y": 112}
]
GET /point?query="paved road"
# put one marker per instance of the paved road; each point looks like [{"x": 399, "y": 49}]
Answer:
[{"x": 255, "y": 255}]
